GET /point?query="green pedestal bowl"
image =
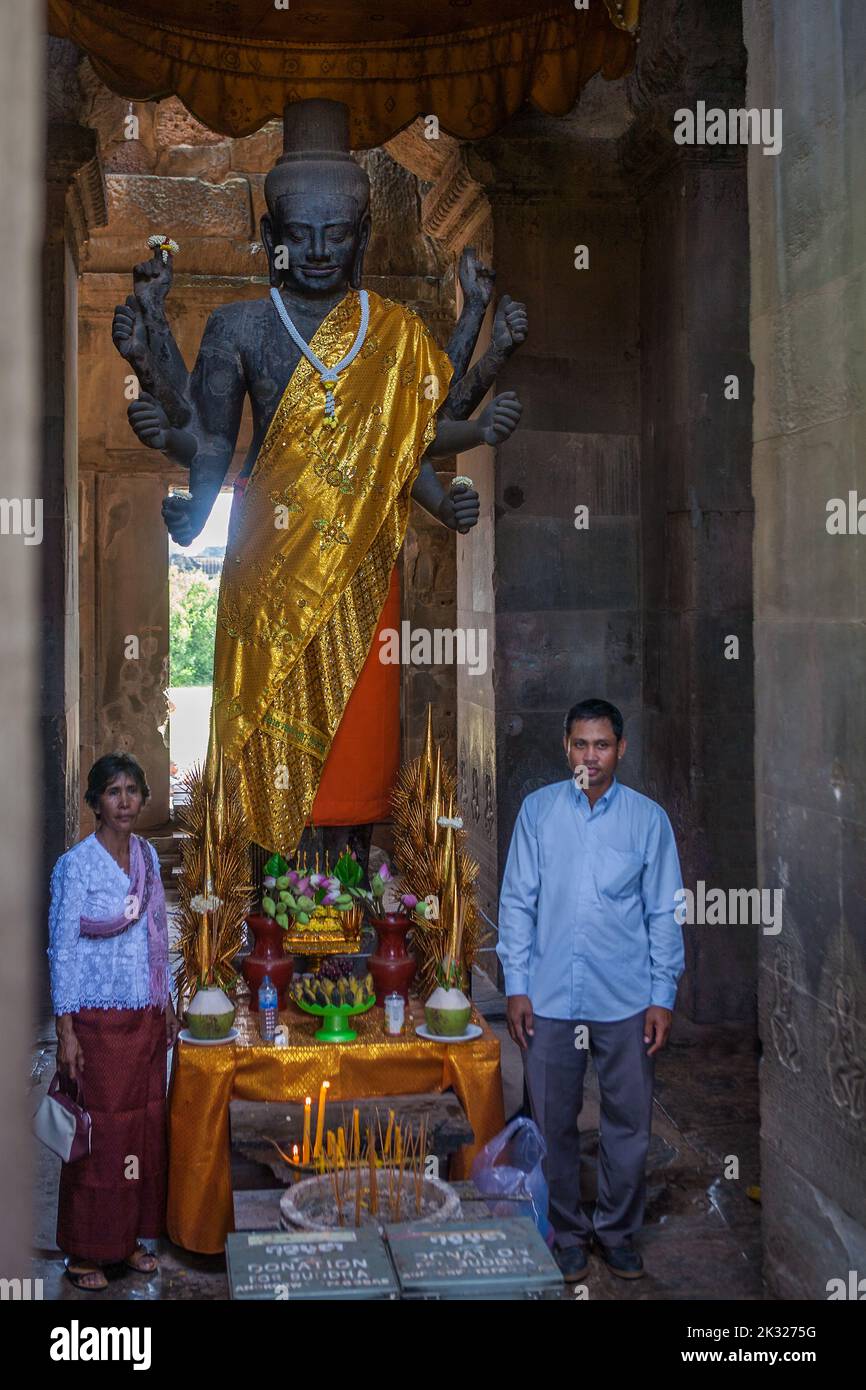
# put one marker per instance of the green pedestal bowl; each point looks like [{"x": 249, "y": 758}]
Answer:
[{"x": 334, "y": 1027}]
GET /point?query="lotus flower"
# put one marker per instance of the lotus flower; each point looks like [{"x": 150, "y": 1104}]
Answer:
[
  {"x": 270, "y": 881},
  {"x": 409, "y": 900},
  {"x": 330, "y": 897},
  {"x": 293, "y": 877},
  {"x": 317, "y": 880},
  {"x": 383, "y": 872},
  {"x": 303, "y": 886}
]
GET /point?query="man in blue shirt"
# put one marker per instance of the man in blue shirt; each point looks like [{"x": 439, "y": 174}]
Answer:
[{"x": 591, "y": 954}]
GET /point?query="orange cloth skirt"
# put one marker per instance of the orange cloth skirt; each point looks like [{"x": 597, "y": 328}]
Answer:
[{"x": 362, "y": 765}]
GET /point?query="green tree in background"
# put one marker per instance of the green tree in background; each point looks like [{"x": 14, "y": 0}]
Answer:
[{"x": 193, "y": 627}]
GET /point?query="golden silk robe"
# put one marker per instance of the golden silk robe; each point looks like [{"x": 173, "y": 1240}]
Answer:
[{"x": 310, "y": 555}]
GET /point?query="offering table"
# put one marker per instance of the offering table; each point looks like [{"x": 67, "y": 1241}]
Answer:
[{"x": 206, "y": 1078}]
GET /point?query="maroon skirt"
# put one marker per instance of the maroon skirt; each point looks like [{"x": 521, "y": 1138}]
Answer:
[{"x": 118, "y": 1192}]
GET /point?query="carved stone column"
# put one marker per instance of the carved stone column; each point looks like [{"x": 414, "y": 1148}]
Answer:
[
  {"x": 696, "y": 503},
  {"x": 24, "y": 861},
  {"x": 74, "y": 203},
  {"x": 808, "y": 248}
]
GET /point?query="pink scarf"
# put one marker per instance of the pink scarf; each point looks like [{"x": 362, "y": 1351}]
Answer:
[{"x": 145, "y": 895}]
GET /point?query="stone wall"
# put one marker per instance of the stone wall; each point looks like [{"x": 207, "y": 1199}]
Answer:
[
  {"x": 808, "y": 237},
  {"x": 561, "y": 605},
  {"x": 696, "y": 505}
]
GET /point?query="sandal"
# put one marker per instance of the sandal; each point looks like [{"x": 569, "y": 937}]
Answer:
[
  {"x": 138, "y": 1267},
  {"x": 77, "y": 1273}
]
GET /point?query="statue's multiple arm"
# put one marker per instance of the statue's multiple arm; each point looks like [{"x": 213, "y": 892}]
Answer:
[
  {"x": 142, "y": 334},
  {"x": 197, "y": 426},
  {"x": 476, "y": 282},
  {"x": 206, "y": 442},
  {"x": 510, "y": 327}
]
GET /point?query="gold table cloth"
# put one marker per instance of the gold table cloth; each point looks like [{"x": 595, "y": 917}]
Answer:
[{"x": 205, "y": 1079}]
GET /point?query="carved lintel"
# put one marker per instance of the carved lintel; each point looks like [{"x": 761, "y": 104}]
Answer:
[
  {"x": 423, "y": 157},
  {"x": 455, "y": 207},
  {"x": 75, "y": 184},
  {"x": 86, "y": 203}
]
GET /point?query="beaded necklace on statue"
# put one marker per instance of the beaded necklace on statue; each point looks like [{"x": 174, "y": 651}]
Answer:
[{"x": 327, "y": 375}]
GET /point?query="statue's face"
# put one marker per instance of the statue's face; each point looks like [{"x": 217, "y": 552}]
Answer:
[{"x": 316, "y": 240}]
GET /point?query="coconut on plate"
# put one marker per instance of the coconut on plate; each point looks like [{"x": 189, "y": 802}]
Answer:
[
  {"x": 447, "y": 1012},
  {"x": 210, "y": 1013}
]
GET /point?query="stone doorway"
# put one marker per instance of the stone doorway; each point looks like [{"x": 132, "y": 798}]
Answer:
[{"x": 193, "y": 585}]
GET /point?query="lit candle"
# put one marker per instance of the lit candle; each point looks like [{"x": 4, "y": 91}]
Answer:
[
  {"x": 295, "y": 1153},
  {"x": 320, "y": 1118},
  {"x": 308, "y": 1110}
]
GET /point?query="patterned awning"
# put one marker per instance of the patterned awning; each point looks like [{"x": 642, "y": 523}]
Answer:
[{"x": 236, "y": 63}]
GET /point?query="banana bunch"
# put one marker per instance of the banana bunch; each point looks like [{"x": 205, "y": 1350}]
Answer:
[{"x": 348, "y": 992}]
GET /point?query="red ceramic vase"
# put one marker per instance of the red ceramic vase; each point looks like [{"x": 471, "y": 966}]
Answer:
[
  {"x": 267, "y": 958},
  {"x": 391, "y": 965}
]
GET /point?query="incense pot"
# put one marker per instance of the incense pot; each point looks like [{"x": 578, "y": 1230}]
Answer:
[
  {"x": 210, "y": 1013},
  {"x": 391, "y": 965},
  {"x": 268, "y": 957}
]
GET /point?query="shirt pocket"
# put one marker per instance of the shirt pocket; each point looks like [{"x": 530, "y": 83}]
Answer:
[{"x": 618, "y": 872}]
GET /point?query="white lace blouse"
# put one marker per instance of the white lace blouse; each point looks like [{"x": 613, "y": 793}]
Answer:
[{"x": 91, "y": 972}]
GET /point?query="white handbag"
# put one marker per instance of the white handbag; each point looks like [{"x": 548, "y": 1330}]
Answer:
[{"x": 61, "y": 1121}]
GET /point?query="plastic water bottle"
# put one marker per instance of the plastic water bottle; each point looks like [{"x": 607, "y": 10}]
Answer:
[{"x": 267, "y": 1009}]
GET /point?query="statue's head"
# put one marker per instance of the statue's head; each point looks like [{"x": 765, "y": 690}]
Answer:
[{"x": 318, "y": 222}]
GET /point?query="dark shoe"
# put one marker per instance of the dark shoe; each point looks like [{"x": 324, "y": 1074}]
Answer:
[
  {"x": 622, "y": 1260},
  {"x": 77, "y": 1271},
  {"x": 573, "y": 1261}
]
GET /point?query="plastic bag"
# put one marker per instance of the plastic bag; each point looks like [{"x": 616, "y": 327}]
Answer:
[{"x": 510, "y": 1166}]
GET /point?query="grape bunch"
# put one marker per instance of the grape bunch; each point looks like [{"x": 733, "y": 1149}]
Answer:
[{"x": 337, "y": 968}]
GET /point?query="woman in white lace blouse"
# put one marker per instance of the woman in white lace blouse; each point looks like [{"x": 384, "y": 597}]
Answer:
[{"x": 108, "y": 954}]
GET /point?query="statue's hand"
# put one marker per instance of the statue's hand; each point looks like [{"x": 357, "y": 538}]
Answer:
[
  {"x": 152, "y": 281},
  {"x": 476, "y": 280},
  {"x": 510, "y": 326},
  {"x": 500, "y": 418},
  {"x": 459, "y": 509},
  {"x": 128, "y": 332},
  {"x": 149, "y": 421},
  {"x": 183, "y": 517}
]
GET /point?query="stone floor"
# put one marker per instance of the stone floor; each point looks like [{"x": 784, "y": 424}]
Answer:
[{"x": 701, "y": 1239}]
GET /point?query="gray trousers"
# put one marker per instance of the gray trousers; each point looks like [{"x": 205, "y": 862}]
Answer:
[{"x": 555, "y": 1069}]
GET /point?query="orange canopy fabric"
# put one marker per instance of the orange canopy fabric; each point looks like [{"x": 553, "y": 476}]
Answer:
[{"x": 236, "y": 63}]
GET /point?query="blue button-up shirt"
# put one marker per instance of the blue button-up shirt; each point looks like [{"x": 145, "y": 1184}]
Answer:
[{"x": 586, "y": 912}]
